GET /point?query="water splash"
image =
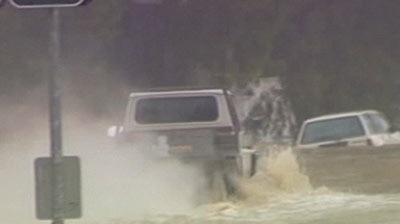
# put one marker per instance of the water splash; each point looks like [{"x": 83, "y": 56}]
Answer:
[
  {"x": 265, "y": 112},
  {"x": 278, "y": 174}
]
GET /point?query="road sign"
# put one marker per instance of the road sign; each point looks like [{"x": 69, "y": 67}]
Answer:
[
  {"x": 45, "y": 3},
  {"x": 71, "y": 186}
]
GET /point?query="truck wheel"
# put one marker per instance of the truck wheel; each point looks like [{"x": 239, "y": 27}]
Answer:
[
  {"x": 231, "y": 175},
  {"x": 218, "y": 187},
  {"x": 222, "y": 179}
]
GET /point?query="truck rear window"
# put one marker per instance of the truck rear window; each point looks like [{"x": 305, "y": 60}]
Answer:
[
  {"x": 332, "y": 129},
  {"x": 176, "y": 110}
]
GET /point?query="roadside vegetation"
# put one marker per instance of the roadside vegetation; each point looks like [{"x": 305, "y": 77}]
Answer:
[{"x": 331, "y": 55}]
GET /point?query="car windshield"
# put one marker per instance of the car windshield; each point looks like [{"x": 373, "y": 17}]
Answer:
[
  {"x": 176, "y": 110},
  {"x": 332, "y": 129}
]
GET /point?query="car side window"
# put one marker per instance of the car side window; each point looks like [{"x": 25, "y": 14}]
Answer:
[
  {"x": 332, "y": 130},
  {"x": 376, "y": 123}
]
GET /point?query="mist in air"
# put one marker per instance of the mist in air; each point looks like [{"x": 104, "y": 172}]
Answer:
[{"x": 116, "y": 183}]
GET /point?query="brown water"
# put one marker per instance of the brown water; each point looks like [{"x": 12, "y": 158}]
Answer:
[
  {"x": 122, "y": 187},
  {"x": 279, "y": 193}
]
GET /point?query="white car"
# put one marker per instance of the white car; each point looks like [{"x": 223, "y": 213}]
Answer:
[{"x": 360, "y": 128}]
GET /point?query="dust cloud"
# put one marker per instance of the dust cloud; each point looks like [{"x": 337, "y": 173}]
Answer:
[
  {"x": 122, "y": 183},
  {"x": 116, "y": 183}
]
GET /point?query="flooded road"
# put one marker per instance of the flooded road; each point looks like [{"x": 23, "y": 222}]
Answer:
[
  {"x": 371, "y": 170},
  {"x": 279, "y": 194},
  {"x": 315, "y": 208},
  {"x": 124, "y": 188}
]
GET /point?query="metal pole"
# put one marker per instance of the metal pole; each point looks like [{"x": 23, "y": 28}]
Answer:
[{"x": 55, "y": 120}]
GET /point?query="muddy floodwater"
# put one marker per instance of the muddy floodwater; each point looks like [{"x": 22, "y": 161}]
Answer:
[
  {"x": 315, "y": 208},
  {"x": 122, "y": 187},
  {"x": 280, "y": 194}
]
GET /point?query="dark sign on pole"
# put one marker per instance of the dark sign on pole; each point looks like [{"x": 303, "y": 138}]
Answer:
[
  {"x": 70, "y": 171},
  {"x": 45, "y": 3}
]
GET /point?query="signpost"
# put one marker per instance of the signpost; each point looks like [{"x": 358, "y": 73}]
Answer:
[{"x": 57, "y": 177}]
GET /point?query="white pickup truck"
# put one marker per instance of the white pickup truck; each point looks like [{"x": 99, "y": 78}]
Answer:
[
  {"x": 359, "y": 128},
  {"x": 198, "y": 126},
  {"x": 188, "y": 124}
]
